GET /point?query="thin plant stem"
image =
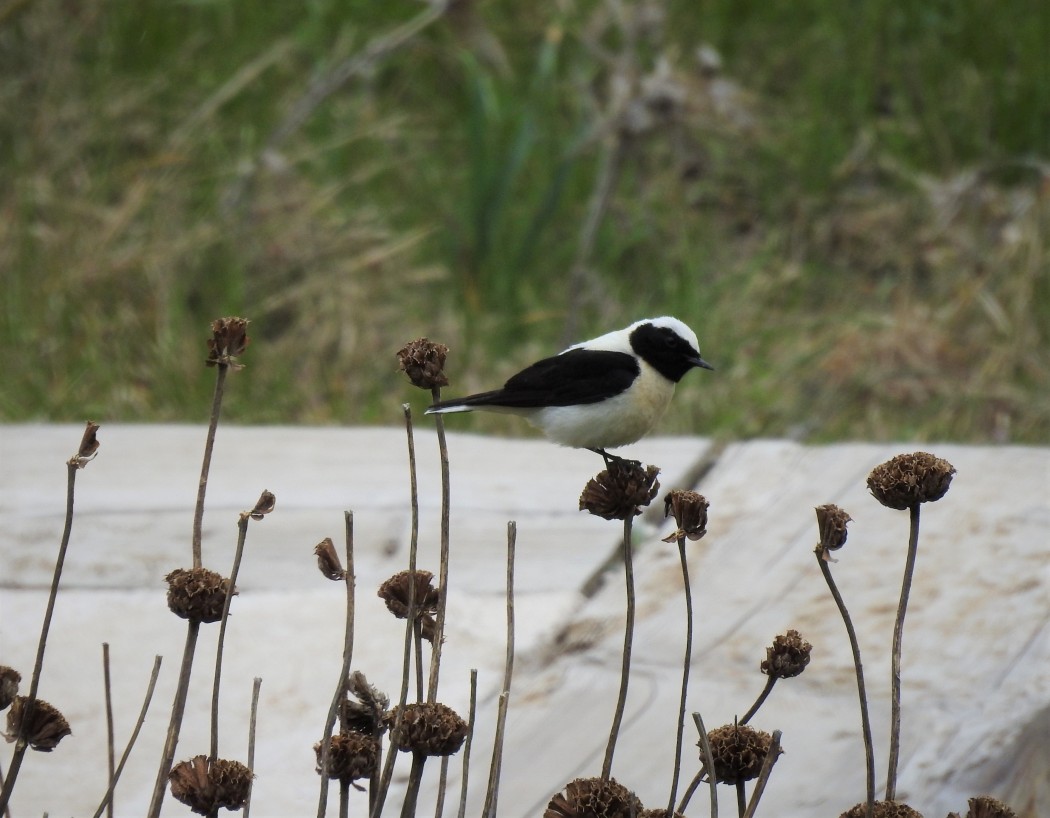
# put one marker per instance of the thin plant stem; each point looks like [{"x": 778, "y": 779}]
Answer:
[
  {"x": 21, "y": 742},
  {"x": 392, "y": 750},
  {"x": 694, "y": 783},
  {"x": 898, "y": 636},
  {"x": 439, "y": 626},
  {"x": 439, "y": 807},
  {"x": 209, "y": 446},
  {"x": 741, "y": 798},
  {"x": 344, "y": 669},
  {"x": 628, "y": 640},
  {"x": 108, "y": 797},
  {"x": 417, "y": 639},
  {"x": 686, "y": 662},
  {"x": 471, "y": 716},
  {"x": 252, "y": 723},
  {"x": 770, "y": 681},
  {"x": 708, "y": 765},
  {"x": 344, "y": 798},
  {"x": 178, "y": 710},
  {"x": 242, "y": 534},
  {"x": 107, "y": 685},
  {"x": 763, "y": 775},
  {"x": 415, "y": 778},
  {"x": 178, "y": 706},
  {"x": 374, "y": 778},
  {"x": 869, "y": 750},
  {"x": 496, "y": 766},
  {"x": 7, "y": 808}
]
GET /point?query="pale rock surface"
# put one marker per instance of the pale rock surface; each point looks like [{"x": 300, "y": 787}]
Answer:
[{"x": 976, "y": 648}]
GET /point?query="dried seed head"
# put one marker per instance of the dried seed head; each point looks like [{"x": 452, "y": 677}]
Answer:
[
  {"x": 831, "y": 522},
  {"x": 430, "y": 728},
  {"x": 423, "y": 361},
  {"x": 690, "y": 514},
  {"x": 788, "y": 656},
  {"x": 738, "y": 752},
  {"x": 984, "y": 806},
  {"x": 620, "y": 490},
  {"x": 659, "y": 812},
  {"x": 205, "y": 787},
  {"x": 9, "y": 679},
  {"x": 197, "y": 594},
  {"x": 88, "y": 446},
  {"x": 350, "y": 756},
  {"x": 396, "y": 591},
  {"x": 883, "y": 809},
  {"x": 594, "y": 798},
  {"x": 366, "y": 714},
  {"x": 44, "y": 728},
  {"x": 910, "y": 479},
  {"x": 328, "y": 560},
  {"x": 263, "y": 506},
  {"x": 229, "y": 339}
]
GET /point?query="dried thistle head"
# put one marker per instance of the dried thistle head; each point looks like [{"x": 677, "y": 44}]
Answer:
[
  {"x": 423, "y": 361},
  {"x": 328, "y": 560},
  {"x": 738, "y": 752},
  {"x": 788, "y": 656},
  {"x": 9, "y": 679},
  {"x": 428, "y": 728},
  {"x": 621, "y": 490},
  {"x": 883, "y": 809},
  {"x": 910, "y": 479},
  {"x": 350, "y": 756},
  {"x": 366, "y": 714},
  {"x": 594, "y": 798},
  {"x": 690, "y": 514},
  {"x": 263, "y": 506},
  {"x": 397, "y": 590},
  {"x": 197, "y": 594},
  {"x": 831, "y": 523},
  {"x": 984, "y": 806},
  {"x": 229, "y": 339},
  {"x": 88, "y": 446},
  {"x": 44, "y": 728},
  {"x": 205, "y": 787}
]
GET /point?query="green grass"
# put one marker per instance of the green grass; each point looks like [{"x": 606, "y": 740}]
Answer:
[{"x": 857, "y": 229}]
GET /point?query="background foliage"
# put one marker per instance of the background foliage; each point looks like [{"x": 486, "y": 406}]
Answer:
[{"x": 848, "y": 202}]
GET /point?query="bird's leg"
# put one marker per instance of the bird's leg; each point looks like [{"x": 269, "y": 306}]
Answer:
[{"x": 615, "y": 459}]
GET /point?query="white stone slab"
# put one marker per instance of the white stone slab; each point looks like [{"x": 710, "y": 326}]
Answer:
[{"x": 976, "y": 648}]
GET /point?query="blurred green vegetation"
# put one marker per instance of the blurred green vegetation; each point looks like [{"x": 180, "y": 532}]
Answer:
[{"x": 849, "y": 203}]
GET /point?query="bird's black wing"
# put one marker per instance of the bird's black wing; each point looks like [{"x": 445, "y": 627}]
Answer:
[{"x": 577, "y": 376}]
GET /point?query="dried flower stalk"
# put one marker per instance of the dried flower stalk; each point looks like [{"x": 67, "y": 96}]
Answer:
[{"x": 87, "y": 450}]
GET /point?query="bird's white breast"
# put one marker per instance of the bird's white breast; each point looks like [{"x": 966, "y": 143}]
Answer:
[{"x": 614, "y": 422}]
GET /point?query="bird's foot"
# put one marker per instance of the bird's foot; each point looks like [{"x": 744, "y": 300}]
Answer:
[{"x": 616, "y": 460}]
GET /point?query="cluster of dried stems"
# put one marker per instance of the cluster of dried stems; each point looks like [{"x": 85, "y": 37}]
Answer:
[{"x": 371, "y": 735}]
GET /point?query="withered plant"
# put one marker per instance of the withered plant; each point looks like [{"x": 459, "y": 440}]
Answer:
[
  {"x": 25, "y": 726},
  {"x": 620, "y": 492},
  {"x": 197, "y": 594},
  {"x": 906, "y": 482}
]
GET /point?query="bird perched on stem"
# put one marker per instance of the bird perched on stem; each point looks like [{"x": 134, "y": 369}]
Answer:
[{"x": 599, "y": 394}]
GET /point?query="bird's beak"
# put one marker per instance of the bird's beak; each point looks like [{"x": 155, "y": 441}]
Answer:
[{"x": 700, "y": 362}]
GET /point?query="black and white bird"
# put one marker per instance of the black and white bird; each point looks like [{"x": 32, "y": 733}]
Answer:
[{"x": 599, "y": 394}]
